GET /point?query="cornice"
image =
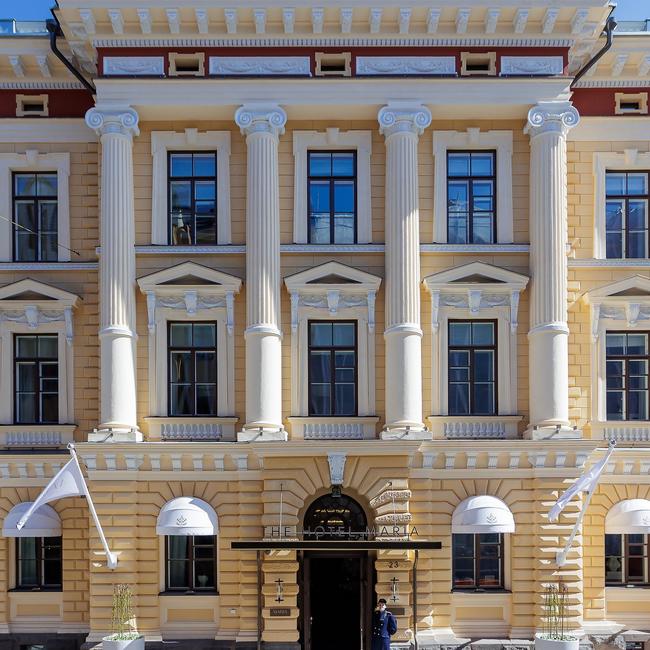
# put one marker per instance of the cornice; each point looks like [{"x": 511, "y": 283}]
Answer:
[
  {"x": 40, "y": 85},
  {"x": 279, "y": 41},
  {"x": 48, "y": 266}
]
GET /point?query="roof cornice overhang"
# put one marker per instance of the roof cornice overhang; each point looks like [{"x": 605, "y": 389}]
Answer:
[{"x": 157, "y": 99}]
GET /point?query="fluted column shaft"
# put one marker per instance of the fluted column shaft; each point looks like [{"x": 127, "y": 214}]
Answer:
[
  {"x": 262, "y": 126},
  {"x": 402, "y": 125},
  {"x": 116, "y": 129},
  {"x": 548, "y": 125}
]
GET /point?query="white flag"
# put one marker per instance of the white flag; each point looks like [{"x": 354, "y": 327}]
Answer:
[
  {"x": 586, "y": 483},
  {"x": 68, "y": 482}
]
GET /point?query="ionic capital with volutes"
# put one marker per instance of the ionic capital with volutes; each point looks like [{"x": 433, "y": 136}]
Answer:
[
  {"x": 403, "y": 118},
  {"x": 552, "y": 117},
  {"x": 113, "y": 121},
  {"x": 261, "y": 118}
]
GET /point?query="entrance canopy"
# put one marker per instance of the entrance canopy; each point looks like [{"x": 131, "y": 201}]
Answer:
[
  {"x": 187, "y": 516},
  {"x": 482, "y": 514},
  {"x": 631, "y": 516},
  {"x": 45, "y": 522}
]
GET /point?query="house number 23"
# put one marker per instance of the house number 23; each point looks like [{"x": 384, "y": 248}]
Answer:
[{"x": 393, "y": 565}]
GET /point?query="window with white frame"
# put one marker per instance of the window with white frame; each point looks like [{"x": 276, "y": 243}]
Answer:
[
  {"x": 34, "y": 193},
  {"x": 36, "y": 344},
  {"x": 621, "y": 196},
  {"x": 333, "y": 352},
  {"x": 620, "y": 322},
  {"x": 332, "y": 202},
  {"x": 472, "y": 187},
  {"x": 191, "y": 188},
  {"x": 474, "y": 320},
  {"x": 191, "y": 352}
]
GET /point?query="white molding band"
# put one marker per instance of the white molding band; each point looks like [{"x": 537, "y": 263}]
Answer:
[
  {"x": 532, "y": 65},
  {"x": 33, "y": 161},
  {"x": 352, "y": 298},
  {"x": 359, "y": 141},
  {"x": 290, "y": 66},
  {"x": 604, "y": 161},
  {"x": 134, "y": 66},
  {"x": 210, "y": 297},
  {"x": 190, "y": 140},
  {"x": 405, "y": 65},
  {"x": 474, "y": 139}
]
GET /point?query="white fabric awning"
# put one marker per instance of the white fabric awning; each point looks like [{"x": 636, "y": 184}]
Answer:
[
  {"x": 45, "y": 522},
  {"x": 187, "y": 516},
  {"x": 482, "y": 514},
  {"x": 631, "y": 516}
]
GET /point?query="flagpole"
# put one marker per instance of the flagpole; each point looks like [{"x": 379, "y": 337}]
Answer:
[
  {"x": 561, "y": 557},
  {"x": 111, "y": 558}
]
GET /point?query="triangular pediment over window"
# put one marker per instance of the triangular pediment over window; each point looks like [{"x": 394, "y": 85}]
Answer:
[
  {"x": 333, "y": 275},
  {"x": 476, "y": 273},
  {"x": 33, "y": 292},
  {"x": 635, "y": 286},
  {"x": 189, "y": 275}
]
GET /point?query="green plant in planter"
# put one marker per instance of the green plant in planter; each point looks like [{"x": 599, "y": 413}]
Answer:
[
  {"x": 122, "y": 614},
  {"x": 555, "y": 603}
]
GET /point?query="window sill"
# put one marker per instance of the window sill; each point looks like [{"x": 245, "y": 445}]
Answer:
[
  {"x": 164, "y": 249},
  {"x": 191, "y": 429},
  {"x": 474, "y": 427},
  {"x": 626, "y": 586},
  {"x": 35, "y": 590},
  {"x": 332, "y": 248},
  {"x": 475, "y": 248},
  {"x": 470, "y": 591},
  {"x": 621, "y": 430},
  {"x": 595, "y": 263},
  {"x": 333, "y": 428},
  {"x": 27, "y": 436},
  {"x": 193, "y": 594}
]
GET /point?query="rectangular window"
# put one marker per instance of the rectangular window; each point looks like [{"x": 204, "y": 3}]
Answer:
[
  {"x": 626, "y": 215},
  {"x": 332, "y": 368},
  {"x": 35, "y": 216},
  {"x": 472, "y": 373},
  {"x": 192, "y": 369},
  {"x": 626, "y": 559},
  {"x": 471, "y": 197},
  {"x": 192, "y": 198},
  {"x": 626, "y": 362},
  {"x": 332, "y": 190},
  {"x": 477, "y": 561},
  {"x": 36, "y": 379},
  {"x": 38, "y": 562},
  {"x": 191, "y": 563}
]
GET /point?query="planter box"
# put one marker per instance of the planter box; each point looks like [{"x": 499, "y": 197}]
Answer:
[
  {"x": 542, "y": 643},
  {"x": 130, "y": 644}
]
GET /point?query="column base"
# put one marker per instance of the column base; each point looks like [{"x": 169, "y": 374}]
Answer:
[
  {"x": 262, "y": 434},
  {"x": 552, "y": 432},
  {"x": 406, "y": 432},
  {"x": 117, "y": 433}
]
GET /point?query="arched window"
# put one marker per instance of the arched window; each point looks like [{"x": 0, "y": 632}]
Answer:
[
  {"x": 190, "y": 528},
  {"x": 478, "y": 526},
  {"x": 627, "y": 542},
  {"x": 335, "y": 517}
]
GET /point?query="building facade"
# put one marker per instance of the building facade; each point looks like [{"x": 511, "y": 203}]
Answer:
[{"x": 326, "y": 273}]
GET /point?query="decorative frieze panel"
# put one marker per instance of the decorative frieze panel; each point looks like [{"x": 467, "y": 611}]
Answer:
[
  {"x": 474, "y": 427},
  {"x": 287, "y": 66},
  {"x": 33, "y": 316},
  {"x": 35, "y": 436},
  {"x": 532, "y": 65},
  {"x": 134, "y": 66},
  {"x": 406, "y": 65},
  {"x": 190, "y": 431},
  {"x": 191, "y": 302},
  {"x": 332, "y": 428}
]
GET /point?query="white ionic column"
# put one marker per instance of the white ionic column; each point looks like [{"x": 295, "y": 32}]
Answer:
[
  {"x": 402, "y": 126},
  {"x": 548, "y": 125},
  {"x": 117, "y": 333},
  {"x": 262, "y": 126}
]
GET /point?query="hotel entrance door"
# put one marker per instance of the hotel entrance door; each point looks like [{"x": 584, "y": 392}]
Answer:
[{"x": 337, "y": 600}]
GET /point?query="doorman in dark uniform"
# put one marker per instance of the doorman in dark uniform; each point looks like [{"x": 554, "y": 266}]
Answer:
[{"x": 384, "y": 625}]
